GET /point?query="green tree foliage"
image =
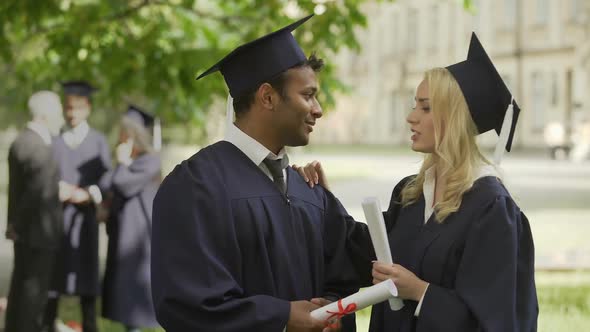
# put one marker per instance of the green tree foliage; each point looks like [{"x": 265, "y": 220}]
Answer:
[{"x": 151, "y": 50}]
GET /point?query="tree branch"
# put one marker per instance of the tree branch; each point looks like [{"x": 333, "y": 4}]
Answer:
[{"x": 129, "y": 11}]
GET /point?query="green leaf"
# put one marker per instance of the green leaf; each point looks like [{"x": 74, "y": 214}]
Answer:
[{"x": 152, "y": 50}]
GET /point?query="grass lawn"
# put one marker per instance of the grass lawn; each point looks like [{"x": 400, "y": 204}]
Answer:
[
  {"x": 69, "y": 310},
  {"x": 564, "y": 297},
  {"x": 564, "y": 300}
]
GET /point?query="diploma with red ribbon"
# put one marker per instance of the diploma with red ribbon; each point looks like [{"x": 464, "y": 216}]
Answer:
[{"x": 369, "y": 296}]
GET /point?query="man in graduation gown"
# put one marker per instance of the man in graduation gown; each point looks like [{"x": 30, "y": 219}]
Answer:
[
  {"x": 84, "y": 158},
  {"x": 240, "y": 242},
  {"x": 34, "y": 213}
]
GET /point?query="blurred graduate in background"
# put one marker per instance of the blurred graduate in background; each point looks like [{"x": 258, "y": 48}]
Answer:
[{"x": 127, "y": 296}]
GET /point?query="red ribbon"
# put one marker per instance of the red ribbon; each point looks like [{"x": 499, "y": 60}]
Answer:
[{"x": 341, "y": 313}]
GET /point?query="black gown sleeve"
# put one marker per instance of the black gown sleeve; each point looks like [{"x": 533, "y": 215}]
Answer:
[
  {"x": 104, "y": 155},
  {"x": 390, "y": 216},
  {"x": 130, "y": 180},
  {"x": 494, "y": 289},
  {"x": 348, "y": 250}
]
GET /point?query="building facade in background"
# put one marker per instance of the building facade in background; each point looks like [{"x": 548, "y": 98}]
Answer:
[{"x": 540, "y": 48}]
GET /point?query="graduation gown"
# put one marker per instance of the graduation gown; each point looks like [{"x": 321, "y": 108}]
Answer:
[
  {"x": 479, "y": 263},
  {"x": 34, "y": 212},
  {"x": 127, "y": 296},
  {"x": 84, "y": 165},
  {"x": 34, "y": 209},
  {"x": 229, "y": 251}
]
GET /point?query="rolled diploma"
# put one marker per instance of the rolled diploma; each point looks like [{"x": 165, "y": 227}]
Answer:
[
  {"x": 374, "y": 216},
  {"x": 362, "y": 299}
]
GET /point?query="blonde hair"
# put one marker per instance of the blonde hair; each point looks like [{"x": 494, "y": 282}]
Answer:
[{"x": 456, "y": 154}]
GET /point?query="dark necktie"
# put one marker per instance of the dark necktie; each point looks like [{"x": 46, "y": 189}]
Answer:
[{"x": 276, "y": 168}]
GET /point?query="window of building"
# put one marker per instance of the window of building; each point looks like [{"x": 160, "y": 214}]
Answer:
[
  {"x": 542, "y": 12},
  {"x": 452, "y": 25},
  {"x": 395, "y": 110},
  {"x": 554, "y": 90},
  {"x": 477, "y": 16},
  {"x": 510, "y": 13},
  {"x": 412, "y": 29},
  {"x": 576, "y": 10},
  {"x": 508, "y": 81},
  {"x": 538, "y": 102},
  {"x": 433, "y": 36},
  {"x": 395, "y": 33}
]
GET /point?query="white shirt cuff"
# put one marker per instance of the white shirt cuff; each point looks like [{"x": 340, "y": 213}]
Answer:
[
  {"x": 417, "y": 312},
  {"x": 125, "y": 161},
  {"x": 95, "y": 194}
]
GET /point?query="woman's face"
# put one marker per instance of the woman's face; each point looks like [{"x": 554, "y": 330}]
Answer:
[{"x": 421, "y": 121}]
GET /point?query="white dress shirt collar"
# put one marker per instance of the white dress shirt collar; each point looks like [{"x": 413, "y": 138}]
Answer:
[
  {"x": 250, "y": 147},
  {"x": 74, "y": 136},
  {"x": 81, "y": 130}
]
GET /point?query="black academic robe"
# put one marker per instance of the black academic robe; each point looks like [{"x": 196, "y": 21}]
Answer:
[
  {"x": 229, "y": 251},
  {"x": 479, "y": 263},
  {"x": 83, "y": 166},
  {"x": 34, "y": 212},
  {"x": 127, "y": 296},
  {"x": 34, "y": 209}
]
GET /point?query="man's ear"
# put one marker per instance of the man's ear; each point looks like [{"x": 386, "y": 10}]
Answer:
[{"x": 267, "y": 96}]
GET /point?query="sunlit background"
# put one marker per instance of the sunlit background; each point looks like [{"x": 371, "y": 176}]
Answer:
[{"x": 149, "y": 52}]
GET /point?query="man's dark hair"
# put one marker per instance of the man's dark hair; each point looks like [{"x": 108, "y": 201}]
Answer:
[
  {"x": 88, "y": 98},
  {"x": 243, "y": 103}
]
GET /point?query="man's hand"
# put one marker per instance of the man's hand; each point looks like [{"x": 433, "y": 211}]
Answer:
[
  {"x": 10, "y": 233},
  {"x": 102, "y": 213},
  {"x": 336, "y": 324},
  {"x": 65, "y": 191},
  {"x": 80, "y": 196},
  {"x": 300, "y": 319},
  {"x": 3, "y": 304}
]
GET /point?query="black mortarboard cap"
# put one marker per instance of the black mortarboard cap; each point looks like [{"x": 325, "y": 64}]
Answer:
[
  {"x": 78, "y": 88},
  {"x": 251, "y": 64},
  {"x": 140, "y": 116},
  {"x": 485, "y": 92}
]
